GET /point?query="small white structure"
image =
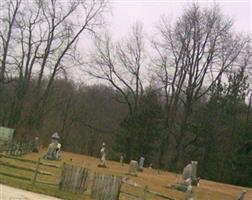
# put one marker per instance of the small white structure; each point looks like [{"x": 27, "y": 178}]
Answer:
[{"x": 103, "y": 156}]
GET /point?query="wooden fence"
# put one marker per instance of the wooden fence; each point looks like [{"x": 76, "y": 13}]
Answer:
[
  {"x": 106, "y": 187},
  {"x": 73, "y": 178},
  {"x": 33, "y": 168},
  {"x": 65, "y": 177}
]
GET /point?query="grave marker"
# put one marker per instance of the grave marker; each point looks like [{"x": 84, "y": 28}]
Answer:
[
  {"x": 141, "y": 164},
  {"x": 133, "y": 166}
]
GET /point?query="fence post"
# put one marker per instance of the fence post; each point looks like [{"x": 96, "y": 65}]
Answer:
[
  {"x": 62, "y": 176},
  {"x": 36, "y": 172},
  {"x": 145, "y": 192}
]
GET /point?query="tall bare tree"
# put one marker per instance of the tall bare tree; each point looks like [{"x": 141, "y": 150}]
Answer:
[
  {"x": 45, "y": 42},
  {"x": 193, "y": 54},
  {"x": 9, "y": 11},
  {"x": 121, "y": 65}
]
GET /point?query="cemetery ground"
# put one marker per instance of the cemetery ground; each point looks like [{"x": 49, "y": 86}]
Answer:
[{"x": 154, "y": 179}]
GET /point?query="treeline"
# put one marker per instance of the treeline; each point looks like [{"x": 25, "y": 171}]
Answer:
[{"x": 183, "y": 95}]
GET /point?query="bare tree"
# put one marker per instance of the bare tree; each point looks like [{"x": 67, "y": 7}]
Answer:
[
  {"x": 121, "y": 66},
  {"x": 193, "y": 55},
  {"x": 9, "y": 11},
  {"x": 45, "y": 43}
]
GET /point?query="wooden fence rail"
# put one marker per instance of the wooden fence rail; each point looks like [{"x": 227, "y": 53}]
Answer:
[
  {"x": 73, "y": 178},
  {"x": 106, "y": 187},
  {"x": 25, "y": 168},
  {"x": 35, "y": 170}
]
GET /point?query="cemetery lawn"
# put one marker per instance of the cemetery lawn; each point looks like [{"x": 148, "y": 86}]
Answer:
[{"x": 156, "y": 181}]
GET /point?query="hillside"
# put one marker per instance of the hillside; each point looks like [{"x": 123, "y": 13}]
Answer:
[{"x": 156, "y": 180}]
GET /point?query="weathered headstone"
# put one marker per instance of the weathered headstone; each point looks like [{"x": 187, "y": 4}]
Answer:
[
  {"x": 103, "y": 156},
  {"x": 141, "y": 164},
  {"x": 150, "y": 166},
  {"x": 190, "y": 172},
  {"x": 133, "y": 166},
  {"x": 121, "y": 159},
  {"x": 36, "y": 145},
  {"x": 53, "y": 152}
]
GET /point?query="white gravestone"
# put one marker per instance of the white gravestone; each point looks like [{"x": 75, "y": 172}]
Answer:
[
  {"x": 121, "y": 159},
  {"x": 141, "y": 164},
  {"x": 53, "y": 148},
  {"x": 103, "y": 156},
  {"x": 190, "y": 171}
]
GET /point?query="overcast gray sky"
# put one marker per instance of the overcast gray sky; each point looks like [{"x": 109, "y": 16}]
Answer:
[{"x": 126, "y": 12}]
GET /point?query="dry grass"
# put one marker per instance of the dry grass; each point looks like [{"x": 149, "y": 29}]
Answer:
[{"x": 208, "y": 190}]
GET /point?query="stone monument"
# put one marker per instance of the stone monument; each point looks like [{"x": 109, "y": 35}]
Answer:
[
  {"x": 121, "y": 159},
  {"x": 141, "y": 164},
  {"x": 35, "y": 145},
  {"x": 103, "y": 156},
  {"x": 133, "y": 166},
  {"x": 53, "y": 152},
  {"x": 190, "y": 172}
]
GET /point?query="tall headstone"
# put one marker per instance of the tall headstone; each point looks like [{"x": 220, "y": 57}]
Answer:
[
  {"x": 36, "y": 145},
  {"x": 190, "y": 172},
  {"x": 141, "y": 164},
  {"x": 121, "y": 159},
  {"x": 53, "y": 148},
  {"x": 133, "y": 166},
  {"x": 103, "y": 156}
]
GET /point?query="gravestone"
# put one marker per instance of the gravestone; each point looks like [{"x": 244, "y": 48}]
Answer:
[
  {"x": 103, "y": 156},
  {"x": 141, "y": 164},
  {"x": 36, "y": 145},
  {"x": 53, "y": 152},
  {"x": 190, "y": 172},
  {"x": 150, "y": 166},
  {"x": 133, "y": 166},
  {"x": 121, "y": 159}
]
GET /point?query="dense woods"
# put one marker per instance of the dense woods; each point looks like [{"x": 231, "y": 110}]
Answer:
[{"x": 183, "y": 95}]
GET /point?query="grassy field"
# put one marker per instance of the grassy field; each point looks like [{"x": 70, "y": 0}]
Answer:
[{"x": 155, "y": 180}]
